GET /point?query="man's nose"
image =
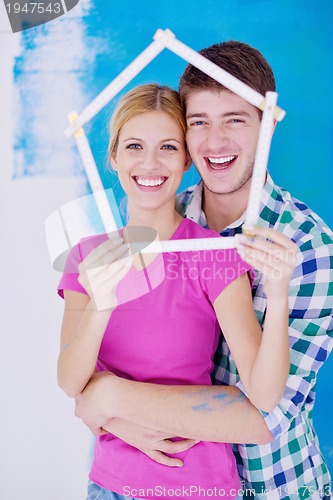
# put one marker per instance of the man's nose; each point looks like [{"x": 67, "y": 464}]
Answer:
[{"x": 217, "y": 138}]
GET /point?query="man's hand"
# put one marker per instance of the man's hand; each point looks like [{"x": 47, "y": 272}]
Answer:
[
  {"x": 152, "y": 443},
  {"x": 89, "y": 407},
  {"x": 271, "y": 253}
]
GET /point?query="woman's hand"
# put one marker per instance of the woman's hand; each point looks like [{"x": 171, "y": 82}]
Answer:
[
  {"x": 102, "y": 270},
  {"x": 272, "y": 254}
]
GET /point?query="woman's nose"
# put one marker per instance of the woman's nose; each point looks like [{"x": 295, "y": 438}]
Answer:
[{"x": 150, "y": 162}]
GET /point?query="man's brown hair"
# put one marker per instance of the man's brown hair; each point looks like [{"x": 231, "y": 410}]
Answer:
[{"x": 239, "y": 59}]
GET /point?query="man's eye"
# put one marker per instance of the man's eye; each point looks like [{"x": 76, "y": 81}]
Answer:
[
  {"x": 133, "y": 146},
  {"x": 196, "y": 123},
  {"x": 169, "y": 147},
  {"x": 237, "y": 120}
]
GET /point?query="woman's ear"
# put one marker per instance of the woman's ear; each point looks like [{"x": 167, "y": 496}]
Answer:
[
  {"x": 188, "y": 162},
  {"x": 113, "y": 161}
]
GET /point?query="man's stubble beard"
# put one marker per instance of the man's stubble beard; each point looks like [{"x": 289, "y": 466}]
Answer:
[{"x": 239, "y": 184}]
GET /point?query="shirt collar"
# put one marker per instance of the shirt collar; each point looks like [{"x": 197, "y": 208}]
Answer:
[
  {"x": 193, "y": 208},
  {"x": 269, "y": 207}
]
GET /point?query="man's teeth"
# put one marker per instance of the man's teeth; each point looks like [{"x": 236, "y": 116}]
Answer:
[
  {"x": 150, "y": 182},
  {"x": 221, "y": 160}
]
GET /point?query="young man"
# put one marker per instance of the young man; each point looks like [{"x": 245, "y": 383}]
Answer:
[{"x": 283, "y": 459}]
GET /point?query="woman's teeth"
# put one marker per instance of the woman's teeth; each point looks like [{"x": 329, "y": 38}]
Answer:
[{"x": 142, "y": 181}]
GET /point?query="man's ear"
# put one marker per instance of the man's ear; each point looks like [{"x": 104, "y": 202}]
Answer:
[{"x": 188, "y": 162}]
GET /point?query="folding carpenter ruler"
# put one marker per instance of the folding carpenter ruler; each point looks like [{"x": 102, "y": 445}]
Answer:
[{"x": 166, "y": 39}]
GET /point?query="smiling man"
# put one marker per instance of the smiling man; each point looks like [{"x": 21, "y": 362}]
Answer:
[
  {"x": 282, "y": 459},
  {"x": 222, "y": 135}
]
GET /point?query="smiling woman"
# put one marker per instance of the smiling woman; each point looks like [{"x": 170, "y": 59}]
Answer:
[
  {"x": 147, "y": 149},
  {"x": 158, "y": 320},
  {"x": 150, "y": 161}
]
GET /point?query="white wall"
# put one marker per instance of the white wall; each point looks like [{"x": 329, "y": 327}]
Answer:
[{"x": 44, "y": 448}]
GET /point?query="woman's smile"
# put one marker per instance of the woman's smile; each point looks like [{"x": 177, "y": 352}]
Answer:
[{"x": 149, "y": 183}]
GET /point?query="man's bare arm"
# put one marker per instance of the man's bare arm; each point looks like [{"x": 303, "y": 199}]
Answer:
[{"x": 206, "y": 413}]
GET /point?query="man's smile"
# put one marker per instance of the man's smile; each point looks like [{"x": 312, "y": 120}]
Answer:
[{"x": 220, "y": 162}]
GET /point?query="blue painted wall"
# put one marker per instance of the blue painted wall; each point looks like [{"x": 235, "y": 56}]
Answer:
[{"x": 295, "y": 37}]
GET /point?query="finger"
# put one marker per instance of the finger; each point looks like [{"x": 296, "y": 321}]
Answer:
[
  {"x": 254, "y": 252},
  {"x": 276, "y": 252},
  {"x": 271, "y": 234},
  {"x": 260, "y": 265},
  {"x": 115, "y": 273},
  {"x": 113, "y": 255},
  {"x": 101, "y": 272},
  {"x": 109, "y": 275},
  {"x": 102, "y": 250},
  {"x": 104, "y": 294},
  {"x": 163, "y": 459},
  {"x": 267, "y": 265},
  {"x": 168, "y": 446},
  {"x": 257, "y": 258},
  {"x": 97, "y": 431}
]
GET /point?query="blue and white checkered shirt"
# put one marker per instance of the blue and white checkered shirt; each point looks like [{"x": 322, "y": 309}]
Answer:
[{"x": 291, "y": 466}]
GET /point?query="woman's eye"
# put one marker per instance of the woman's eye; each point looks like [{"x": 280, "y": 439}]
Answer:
[
  {"x": 169, "y": 147},
  {"x": 133, "y": 146}
]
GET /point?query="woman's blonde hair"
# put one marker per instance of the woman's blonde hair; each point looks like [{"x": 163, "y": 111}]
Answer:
[{"x": 150, "y": 97}]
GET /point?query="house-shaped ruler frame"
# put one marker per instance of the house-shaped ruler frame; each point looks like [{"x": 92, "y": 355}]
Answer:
[{"x": 166, "y": 39}]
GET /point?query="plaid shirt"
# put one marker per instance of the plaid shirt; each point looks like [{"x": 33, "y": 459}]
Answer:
[{"x": 291, "y": 466}]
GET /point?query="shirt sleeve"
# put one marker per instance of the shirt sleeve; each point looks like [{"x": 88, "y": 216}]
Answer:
[
  {"x": 310, "y": 331},
  {"x": 69, "y": 279},
  {"x": 225, "y": 267}
]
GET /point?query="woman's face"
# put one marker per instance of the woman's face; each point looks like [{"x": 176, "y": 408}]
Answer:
[{"x": 150, "y": 159}]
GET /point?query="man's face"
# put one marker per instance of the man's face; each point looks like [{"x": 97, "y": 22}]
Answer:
[{"x": 222, "y": 134}]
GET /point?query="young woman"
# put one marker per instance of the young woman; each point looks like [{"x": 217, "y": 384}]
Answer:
[{"x": 159, "y": 320}]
